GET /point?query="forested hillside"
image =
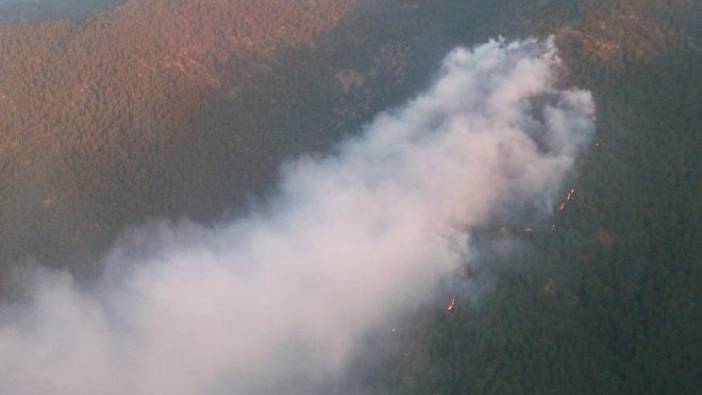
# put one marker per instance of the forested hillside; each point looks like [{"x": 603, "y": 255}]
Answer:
[
  {"x": 605, "y": 299},
  {"x": 100, "y": 115},
  {"x": 169, "y": 109}
]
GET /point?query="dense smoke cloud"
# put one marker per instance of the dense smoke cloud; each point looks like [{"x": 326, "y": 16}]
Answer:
[{"x": 353, "y": 239}]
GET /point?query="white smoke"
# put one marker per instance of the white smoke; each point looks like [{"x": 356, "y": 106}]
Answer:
[{"x": 286, "y": 293}]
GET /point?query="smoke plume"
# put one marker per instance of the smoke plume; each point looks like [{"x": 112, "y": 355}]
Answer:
[{"x": 284, "y": 294}]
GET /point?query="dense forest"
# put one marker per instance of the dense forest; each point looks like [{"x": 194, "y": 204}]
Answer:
[
  {"x": 170, "y": 109},
  {"x": 99, "y": 114},
  {"x": 606, "y": 300}
]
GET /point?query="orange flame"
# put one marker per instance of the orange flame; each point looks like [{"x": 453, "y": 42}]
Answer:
[{"x": 452, "y": 305}]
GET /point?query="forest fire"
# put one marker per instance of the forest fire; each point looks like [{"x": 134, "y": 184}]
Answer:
[
  {"x": 568, "y": 198},
  {"x": 451, "y": 307}
]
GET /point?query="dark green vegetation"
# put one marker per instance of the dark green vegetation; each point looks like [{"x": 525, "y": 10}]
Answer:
[
  {"x": 93, "y": 142},
  {"x": 609, "y": 302}
]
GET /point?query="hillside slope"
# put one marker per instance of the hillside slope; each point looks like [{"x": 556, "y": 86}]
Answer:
[
  {"x": 606, "y": 301},
  {"x": 186, "y": 108},
  {"x": 100, "y": 114}
]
